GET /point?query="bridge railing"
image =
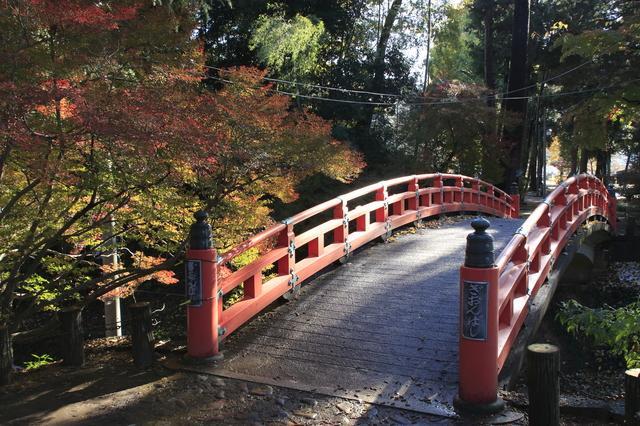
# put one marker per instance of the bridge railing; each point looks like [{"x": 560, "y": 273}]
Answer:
[
  {"x": 306, "y": 243},
  {"x": 506, "y": 286}
]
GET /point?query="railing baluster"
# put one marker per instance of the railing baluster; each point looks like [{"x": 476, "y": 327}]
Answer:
[
  {"x": 437, "y": 183},
  {"x": 383, "y": 212},
  {"x": 287, "y": 263},
  {"x": 341, "y": 233},
  {"x": 316, "y": 246},
  {"x": 414, "y": 202},
  {"x": 253, "y": 286},
  {"x": 457, "y": 195},
  {"x": 475, "y": 192}
]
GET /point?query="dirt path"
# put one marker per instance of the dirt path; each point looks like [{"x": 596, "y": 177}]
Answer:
[{"x": 109, "y": 390}]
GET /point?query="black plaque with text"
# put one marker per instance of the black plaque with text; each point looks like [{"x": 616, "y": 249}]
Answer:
[
  {"x": 475, "y": 304},
  {"x": 193, "y": 282}
]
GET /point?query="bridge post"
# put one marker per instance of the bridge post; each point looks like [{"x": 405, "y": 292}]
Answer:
[
  {"x": 514, "y": 192},
  {"x": 202, "y": 288},
  {"x": 612, "y": 205},
  {"x": 478, "y": 355}
]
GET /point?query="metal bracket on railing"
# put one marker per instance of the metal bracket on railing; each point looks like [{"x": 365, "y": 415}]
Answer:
[
  {"x": 520, "y": 231},
  {"x": 287, "y": 221},
  {"x": 418, "y": 214},
  {"x": 218, "y": 259},
  {"x": 294, "y": 278},
  {"x": 292, "y": 248},
  {"x": 387, "y": 228},
  {"x": 221, "y": 331},
  {"x": 347, "y": 248},
  {"x": 386, "y": 203},
  {"x": 345, "y": 220},
  {"x": 220, "y": 293}
]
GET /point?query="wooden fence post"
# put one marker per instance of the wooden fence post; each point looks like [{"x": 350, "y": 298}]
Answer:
[
  {"x": 632, "y": 395},
  {"x": 543, "y": 366},
  {"x": 6, "y": 356},
  {"x": 72, "y": 337},
  {"x": 141, "y": 334}
]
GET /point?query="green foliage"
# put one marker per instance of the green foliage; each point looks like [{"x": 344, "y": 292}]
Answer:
[
  {"x": 452, "y": 59},
  {"x": 38, "y": 361},
  {"x": 290, "y": 47},
  {"x": 616, "y": 328},
  {"x": 451, "y": 137}
]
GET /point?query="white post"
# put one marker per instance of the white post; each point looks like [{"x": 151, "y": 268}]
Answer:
[{"x": 112, "y": 314}]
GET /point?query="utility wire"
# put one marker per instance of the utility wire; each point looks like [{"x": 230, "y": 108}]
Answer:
[
  {"x": 393, "y": 95},
  {"x": 444, "y": 102},
  {"x": 316, "y": 86}
]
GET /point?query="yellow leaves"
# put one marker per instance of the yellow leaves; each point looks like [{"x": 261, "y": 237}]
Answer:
[{"x": 559, "y": 26}]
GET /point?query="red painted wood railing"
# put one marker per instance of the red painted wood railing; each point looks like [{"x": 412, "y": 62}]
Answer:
[
  {"x": 519, "y": 271},
  {"x": 349, "y": 227}
]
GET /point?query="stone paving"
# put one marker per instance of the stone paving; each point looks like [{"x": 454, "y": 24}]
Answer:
[{"x": 381, "y": 329}]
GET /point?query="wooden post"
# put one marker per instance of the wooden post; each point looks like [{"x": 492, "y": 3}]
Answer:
[
  {"x": 632, "y": 395},
  {"x": 6, "y": 356},
  {"x": 72, "y": 336},
  {"x": 141, "y": 334},
  {"x": 543, "y": 366}
]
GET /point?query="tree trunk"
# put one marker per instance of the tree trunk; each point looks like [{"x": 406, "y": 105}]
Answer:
[
  {"x": 516, "y": 108},
  {"x": 585, "y": 154},
  {"x": 381, "y": 49},
  {"x": 574, "y": 161},
  {"x": 6, "y": 356},
  {"x": 489, "y": 59},
  {"x": 428, "y": 59},
  {"x": 542, "y": 158},
  {"x": 543, "y": 366},
  {"x": 533, "y": 159},
  {"x": 73, "y": 336},
  {"x": 602, "y": 165},
  {"x": 369, "y": 145}
]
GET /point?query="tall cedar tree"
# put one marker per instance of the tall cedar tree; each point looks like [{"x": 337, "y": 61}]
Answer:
[{"x": 517, "y": 108}]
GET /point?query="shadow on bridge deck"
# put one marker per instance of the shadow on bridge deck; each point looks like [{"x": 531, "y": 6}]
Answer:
[{"x": 383, "y": 328}]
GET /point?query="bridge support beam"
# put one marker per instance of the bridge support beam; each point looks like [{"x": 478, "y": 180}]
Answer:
[
  {"x": 202, "y": 289},
  {"x": 478, "y": 371}
]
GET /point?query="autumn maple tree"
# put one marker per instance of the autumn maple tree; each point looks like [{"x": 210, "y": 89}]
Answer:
[{"x": 108, "y": 129}]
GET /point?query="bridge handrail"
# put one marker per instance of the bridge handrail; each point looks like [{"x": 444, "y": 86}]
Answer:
[
  {"x": 320, "y": 208},
  {"x": 516, "y": 276},
  {"x": 372, "y": 219}
]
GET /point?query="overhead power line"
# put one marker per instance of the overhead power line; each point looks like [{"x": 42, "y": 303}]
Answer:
[
  {"x": 442, "y": 102},
  {"x": 394, "y": 95}
]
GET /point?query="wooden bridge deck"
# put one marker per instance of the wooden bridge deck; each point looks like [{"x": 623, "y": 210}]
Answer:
[{"x": 382, "y": 328}]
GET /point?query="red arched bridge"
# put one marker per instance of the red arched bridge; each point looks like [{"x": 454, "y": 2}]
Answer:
[{"x": 412, "y": 324}]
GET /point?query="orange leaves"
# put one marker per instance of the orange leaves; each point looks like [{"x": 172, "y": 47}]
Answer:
[
  {"x": 66, "y": 106},
  {"x": 141, "y": 262}
]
